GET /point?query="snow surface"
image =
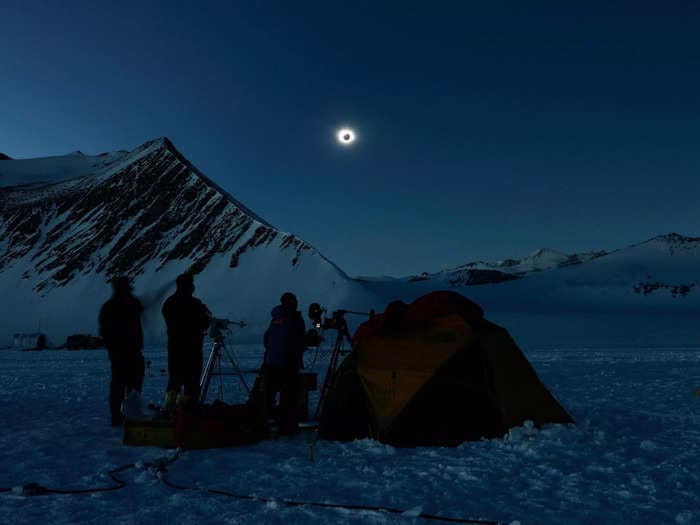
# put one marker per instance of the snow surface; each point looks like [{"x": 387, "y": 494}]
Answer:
[
  {"x": 632, "y": 457},
  {"x": 63, "y": 168},
  {"x": 49, "y": 170}
]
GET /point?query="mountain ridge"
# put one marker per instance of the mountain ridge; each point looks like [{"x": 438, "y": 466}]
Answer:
[{"x": 78, "y": 220}]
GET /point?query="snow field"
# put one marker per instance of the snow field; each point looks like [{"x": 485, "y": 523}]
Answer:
[{"x": 632, "y": 457}]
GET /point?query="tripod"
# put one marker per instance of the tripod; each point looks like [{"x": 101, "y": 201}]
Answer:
[
  {"x": 336, "y": 322},
  {"x": 218, "y": 330}
]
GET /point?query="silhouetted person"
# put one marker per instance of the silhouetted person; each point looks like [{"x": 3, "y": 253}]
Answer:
[
  {"x": 187, "y": 319},
  {"x": 284, "y": 348},
  {"x": 120, "y": 327}
]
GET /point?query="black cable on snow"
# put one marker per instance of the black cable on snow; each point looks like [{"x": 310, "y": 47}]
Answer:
[
  {"x": 160, "y": 466},
  {"x": 293, "y": 503},
  {"x": 175, "y": 486},
  {"x": 120, "y": 484},
  {"x": 34, "y": 489}
]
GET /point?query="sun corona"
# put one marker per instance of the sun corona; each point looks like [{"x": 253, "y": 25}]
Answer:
[{"x": 346, "y": 136}]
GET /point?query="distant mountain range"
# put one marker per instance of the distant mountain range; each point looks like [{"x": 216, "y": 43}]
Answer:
[
  {"x": 70, "y": 223},
  {"x": 481, "y": 272},
  {"x": 664, "y": 270}
]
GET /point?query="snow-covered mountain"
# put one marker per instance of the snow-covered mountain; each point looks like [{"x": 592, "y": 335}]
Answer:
[
  {"x": 664, "y": 270},
  {"x": 482, "y": 272},
  {"x": 68, "y": 224}
]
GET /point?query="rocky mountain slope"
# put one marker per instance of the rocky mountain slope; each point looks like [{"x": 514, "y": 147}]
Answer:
[{"x": 69, "y": 224}]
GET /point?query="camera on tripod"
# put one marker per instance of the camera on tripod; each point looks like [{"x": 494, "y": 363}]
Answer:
[
  {"x": 335, "y": 322},
  {"x": 218, "y": 326},
  {"x": 320, "y": 323}
]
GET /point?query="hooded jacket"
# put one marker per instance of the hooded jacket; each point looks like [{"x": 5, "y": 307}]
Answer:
[{"x": 284, "y": 339}]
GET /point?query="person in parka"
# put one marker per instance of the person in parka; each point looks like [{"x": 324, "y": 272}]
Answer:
[
  {"x": 284, "y": 348},
  {"x": 120, "y": 328},
  {"x": 187, "y": 319}
]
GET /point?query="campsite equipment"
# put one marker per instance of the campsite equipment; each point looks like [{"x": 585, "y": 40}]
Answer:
[
  {"x": 207, "y": 426},
  {"x": 30, "y": 342},
  {"x": 84, "y": 342},
  {"x": 434, "y": 372},
  {"x": 202, "y": 426},
  {"x": 217, "y": 424}
]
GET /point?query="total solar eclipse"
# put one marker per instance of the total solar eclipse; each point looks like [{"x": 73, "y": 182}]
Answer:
[{"x": 346, "y": 136}]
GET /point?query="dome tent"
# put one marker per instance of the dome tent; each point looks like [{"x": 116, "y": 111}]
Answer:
[{"x": 434, "y": 372}]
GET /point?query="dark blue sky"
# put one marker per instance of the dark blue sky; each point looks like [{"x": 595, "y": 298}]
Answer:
[{"x": 485, "y": 131}]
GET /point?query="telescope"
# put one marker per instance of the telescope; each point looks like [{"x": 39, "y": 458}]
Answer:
[
  {"x": 219, "y": 325},
  {"x": 335, "y": 322},
  {"x": 337, "y": 319}
]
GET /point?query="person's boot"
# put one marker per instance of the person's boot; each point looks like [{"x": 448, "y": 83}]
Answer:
[
  {"x": 170, "y": 400},
  {"x": 131, "y": 406},
  {"x": 183, "y": 402},
  {"x": 116, "y": 396},
  {"x": 273, "y": 428}
]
